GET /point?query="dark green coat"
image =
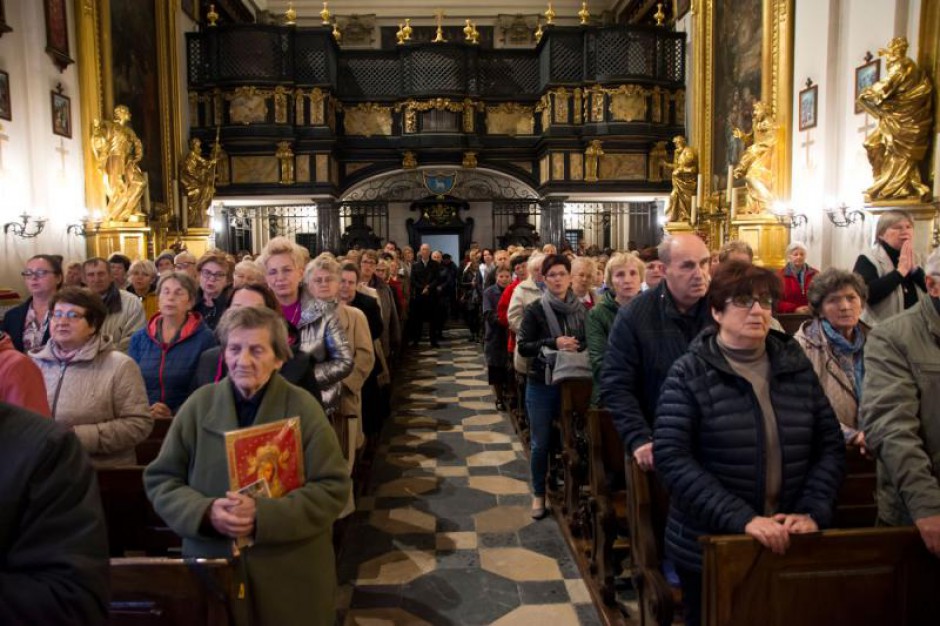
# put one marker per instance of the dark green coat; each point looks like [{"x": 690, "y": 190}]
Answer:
[
  {"x": 600, "y": 319},
  {"x": 291, "y": 573}
]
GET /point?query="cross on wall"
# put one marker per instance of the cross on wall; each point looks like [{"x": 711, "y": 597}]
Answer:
[
  {"x": 62, "y": 150},
  {"x": 808, "y": 143},
  {"x": 3, "y": 137}
]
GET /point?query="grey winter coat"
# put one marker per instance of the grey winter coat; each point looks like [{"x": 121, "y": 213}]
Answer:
[{"x": 323, "y": 338}]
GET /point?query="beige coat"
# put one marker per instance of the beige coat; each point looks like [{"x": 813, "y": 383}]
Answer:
[
  {"x": 525, "y": 294},
  {"x": 356, "y": 326},
  {"x": 101, "y": 395},
  {"x": 839, "y": 388},
  {"x": 120, "y": 326},
  {"x": 901, "y": 412}
]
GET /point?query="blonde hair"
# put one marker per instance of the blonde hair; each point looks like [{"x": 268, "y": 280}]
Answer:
[
  {"x": 283, "y": 245},
  {"x": 322, "y": 262},
  {"x": 623, "y": 259},
  {"x": 254, "y": 271}
]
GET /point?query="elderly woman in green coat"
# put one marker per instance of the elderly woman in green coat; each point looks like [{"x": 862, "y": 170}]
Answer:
[
  {"x": 289, "y": 571},
  {"x": 623, "y": 278}
]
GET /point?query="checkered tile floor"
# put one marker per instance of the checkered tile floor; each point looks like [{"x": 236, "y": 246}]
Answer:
[{"x": 445, "y": 538}]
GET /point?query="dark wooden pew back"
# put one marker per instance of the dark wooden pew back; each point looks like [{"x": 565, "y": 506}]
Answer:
[
  {"x": 862, "y": 577},
  {"x": 171, "y": 592},
  {"x": 133, "y": 525}
]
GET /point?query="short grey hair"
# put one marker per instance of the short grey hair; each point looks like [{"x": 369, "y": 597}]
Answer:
[
  {"x": 932, "y": 266},
  {"x": 795, "y": 245},
  {"x": 535, "y": 261},
  {"x": 186, "y": 282},
  {"x": 829, "y": 281},
  {"x": 322, "y": 262},
  {"x": 889, "y": 219},
  {"x": 249, "y": 318},
  {"x": 145, "y": 266},
  {"x": 664, "y": 250}
]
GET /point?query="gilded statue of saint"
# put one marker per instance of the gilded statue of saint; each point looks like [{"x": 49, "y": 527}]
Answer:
[
  {"x": 756, "y": 165},
  {"x": 118, "y": 151},
  {"x": 902, "y": 102},
  {"x": 197, "y": 175},
  {"x": 684, "y": 179},
  {"x": 592, "y": 154},
  {"x": 285, "y": 157}
]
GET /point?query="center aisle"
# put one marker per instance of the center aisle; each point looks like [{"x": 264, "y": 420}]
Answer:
[{"x": 444, "y": 538}]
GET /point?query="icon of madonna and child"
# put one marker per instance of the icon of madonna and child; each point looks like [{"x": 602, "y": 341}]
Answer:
[{"x": 266, "y": 460}]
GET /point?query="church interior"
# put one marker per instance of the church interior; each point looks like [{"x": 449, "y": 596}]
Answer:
[{"x": 245, "y": 131}]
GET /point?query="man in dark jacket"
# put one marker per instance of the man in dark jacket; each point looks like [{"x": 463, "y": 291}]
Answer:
[
  {"x": 53, "y": 541},
  {"x": 425, "y": 274},
  {"x": 648, "y": 335}
]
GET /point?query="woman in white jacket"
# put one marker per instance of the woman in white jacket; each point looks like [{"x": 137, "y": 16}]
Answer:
[{"x": 93, "y": 388}]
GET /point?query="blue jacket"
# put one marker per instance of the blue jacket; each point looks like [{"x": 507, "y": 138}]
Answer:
[
  {"x": 169, "y": 370},
  {"x": 708, "y": 444},
  {"x": 647, "y": 337},
  {"x": 15, "y": 320}
]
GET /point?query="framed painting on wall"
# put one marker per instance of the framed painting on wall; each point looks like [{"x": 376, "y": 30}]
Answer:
[
  {"x": 866, "y": 75},
  {"x": 61, "y": 115},
  {"x": 680, "y": 8},
  {"x": 809, "y": 106},
  {"x": 4, "y": 27},
  {"x": 57, "y": 33},
  {"x": 6, "y": 109}
]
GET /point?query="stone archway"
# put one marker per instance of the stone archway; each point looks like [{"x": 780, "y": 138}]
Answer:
[{"x": 471, "y": 185}]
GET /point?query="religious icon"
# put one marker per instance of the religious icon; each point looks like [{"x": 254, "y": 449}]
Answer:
[
  {"x": 61, "y": 115},
  {"x": 866, "y": 75},
  {"x": 809, "y": 103},
  {"x": 6, "y": 110},
  {"x": 57, "y": 33},
  {"x": 270, "y": 452}
]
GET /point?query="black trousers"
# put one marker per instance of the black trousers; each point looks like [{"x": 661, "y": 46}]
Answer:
[
  {"x": 691, "y": 595},
  {"x": 423, "y": 309}
]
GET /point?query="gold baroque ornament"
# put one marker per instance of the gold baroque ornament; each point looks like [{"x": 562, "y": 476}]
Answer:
[
  {"x": 285, "y": 158},
  {"x": 368, "y": 119},
  {"x": 591, "y": 156},
  {"x": 756, "y": 165},
  {"x": 628, "y": 103},
  {"x": 280, "y": 104},
  {"x": 409, "y": 160},
  {"x": 544, "y": 107},
  {"x": 622, "y": 167},
  {"x": 561, "y": 105},
  {"x": 597, "y": 103},
  {"x": 469, "y": 160},
  {"x": 578, "y": 106},
  {"x": 317, "y": 98},
  {"x": 510, "y": 118},
  {"x": 248, "y": 105}
]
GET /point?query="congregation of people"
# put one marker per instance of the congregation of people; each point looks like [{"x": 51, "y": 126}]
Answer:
[{"x": 741, "y": 427}]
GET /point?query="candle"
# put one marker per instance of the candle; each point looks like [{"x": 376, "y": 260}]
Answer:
[
  {"x": 734, "y": 206},
  {"x": 692, "y": 218},
  {"x": 730, "y": 183},
  {"x": 699, "y": 190}
]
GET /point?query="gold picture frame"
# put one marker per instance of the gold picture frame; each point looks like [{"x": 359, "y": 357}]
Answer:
[
  {"x": 776, "y": 80},
  {"x": 96, "y": 80}
]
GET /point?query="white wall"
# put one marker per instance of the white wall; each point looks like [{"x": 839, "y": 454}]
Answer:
[
  {"x": 32, "y": 178},
  {"x": 832, "y": 37}
]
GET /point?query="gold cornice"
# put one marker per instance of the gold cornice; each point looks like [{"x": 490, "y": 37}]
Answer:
[{"x": 91, "y": 94}]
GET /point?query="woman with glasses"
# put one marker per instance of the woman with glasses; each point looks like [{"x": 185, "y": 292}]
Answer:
[
  {"x": 744, "y": 438},
  {"x": 215, "y": 271},
  {"x": 543, "y": 399},
  {"x": 92, "y": 388},
  {"x": 834, "y": 342},
  {"x": 168, "y": 348},
  {"x": 142, "y": 277},
  {"x": 27, "y": 325}
]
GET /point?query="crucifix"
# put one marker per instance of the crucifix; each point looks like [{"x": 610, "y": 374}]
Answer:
[
  {"x": 808, "y": 144},
  {"x": 62, "y": 152},
  {"x": 3, "y": 137}
]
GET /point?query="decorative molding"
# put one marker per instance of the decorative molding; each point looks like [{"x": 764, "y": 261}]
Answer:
[
  {"x": 367, "y": 120},
  {"x": 510, "y": 118},
  {"x": 472, "y": 184}
]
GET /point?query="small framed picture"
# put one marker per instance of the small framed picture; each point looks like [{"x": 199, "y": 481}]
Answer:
[
  {"x": 865, "y": 76},
  {"x": 61, "y": 115},
  {"x": 6, "y": 110},
  {"x": 809, "y": 106}
]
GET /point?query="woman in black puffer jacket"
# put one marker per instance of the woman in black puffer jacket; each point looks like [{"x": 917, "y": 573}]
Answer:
[{"x": 744, "y": 438}]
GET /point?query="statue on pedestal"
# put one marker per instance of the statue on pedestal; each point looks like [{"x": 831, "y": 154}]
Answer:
[
  {"x": 684, "y": 180},
  {"x": 592, "y": 154},
  {"x": 118, "y": 151},
  {"x": 902, "y": 103},
  {"x": 197, "y": 175},
  {"x": 756, "y": 165}
]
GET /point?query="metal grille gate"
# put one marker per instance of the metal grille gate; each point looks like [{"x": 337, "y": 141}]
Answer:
[
  {"x": 612, "y": 224},
  {"x": 249, "y": 228}
]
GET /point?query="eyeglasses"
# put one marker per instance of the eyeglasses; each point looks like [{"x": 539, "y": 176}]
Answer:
[
  {"x": 35, "y": 273},
  {"x": 69, "y": 315},
  {"x": 766, "y": 302},
  {"x": 557, "y": 275},
  {"x": 210, "y": 275}
]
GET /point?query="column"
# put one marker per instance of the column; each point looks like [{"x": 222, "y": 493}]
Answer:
[{"x": 552, "y": 227}]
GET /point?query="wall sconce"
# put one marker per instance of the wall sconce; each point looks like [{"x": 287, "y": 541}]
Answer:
[
  {"x": 843, "y": 216},
  {"x": 787, "y": 217},
  {"x": 21, "y": 228},
  {"x": 87, "y": 228}
]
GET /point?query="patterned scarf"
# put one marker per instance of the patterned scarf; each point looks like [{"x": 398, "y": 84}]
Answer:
[
  {"x": 849, "y": 355},
  {"x": 570, "y": 312}
]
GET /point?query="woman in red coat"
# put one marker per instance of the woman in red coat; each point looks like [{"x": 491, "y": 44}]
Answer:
[{"x": 796, "y": 276}]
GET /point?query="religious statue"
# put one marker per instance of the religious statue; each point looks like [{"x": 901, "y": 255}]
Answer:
[
  {"x": 591, "y": 156},
  {"x": 118, "y": 151},
  {"x": 285, "y": 157},
  {"x": 684, "y": 180},
  {"x": 409, "y": 161},
  {"x": 756, "y": 165},
  {"x": 902, "y": 103},
  {"x": 197, "y": 175}
]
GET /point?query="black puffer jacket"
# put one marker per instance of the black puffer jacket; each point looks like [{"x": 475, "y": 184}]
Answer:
[{"x": 708, "y": 444}]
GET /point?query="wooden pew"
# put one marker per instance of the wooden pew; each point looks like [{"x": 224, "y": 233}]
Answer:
[
  {"x": 862, "y": 577},
  {"x": 856, "y": 507},
  {"x": 133, "y": 525},
  {"x": 171, "y": 592},
  {"x": 791, "y": 322},
  {"x": 607, "y": 500},
  {"x": 148, "y": 449},
  {"x": 575, "y": 402}
]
